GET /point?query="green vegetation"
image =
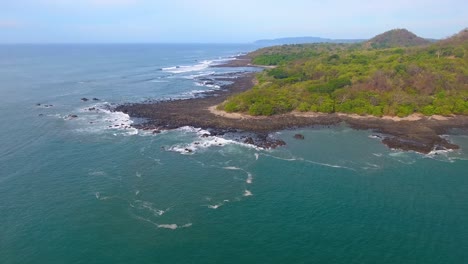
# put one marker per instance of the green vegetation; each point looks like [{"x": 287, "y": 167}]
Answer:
[{"x": 360, "y": 78}]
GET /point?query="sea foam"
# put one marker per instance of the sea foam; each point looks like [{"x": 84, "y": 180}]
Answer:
[
  {"x": 97, "y": 118},
  {"x": 163, "y": 226},
  {"x": 189, "y": 68},
  {"x": 205, "y": 140}
]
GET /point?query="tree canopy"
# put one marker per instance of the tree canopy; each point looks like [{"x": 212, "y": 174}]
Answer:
[{"x": 361, "y": 79}]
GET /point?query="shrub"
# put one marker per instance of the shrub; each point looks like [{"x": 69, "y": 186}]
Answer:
[
  {"x": 261, "y": 108},
  {"x": 303, "y": 107},
  {"x": 405, "y": 110},
  {"x": 231, "y": 106}
]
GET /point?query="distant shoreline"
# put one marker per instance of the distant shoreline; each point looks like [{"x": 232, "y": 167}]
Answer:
[{"x": 413, "y": 133}]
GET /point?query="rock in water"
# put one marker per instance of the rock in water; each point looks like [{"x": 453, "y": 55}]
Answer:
[
  {"x": 249, "y": 140},
  {"x": 84, "y": 99},
  {"x": 299, "y": 136}
]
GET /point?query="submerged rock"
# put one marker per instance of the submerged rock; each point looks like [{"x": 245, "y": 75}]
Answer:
[
  {"x": 299, "y": 136},
  {"x": 271, "y": 144},
  {"x": 84, "y": 99}
]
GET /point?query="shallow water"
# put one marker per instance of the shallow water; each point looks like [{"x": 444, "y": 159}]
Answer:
[{"x": 72, "y": 191}]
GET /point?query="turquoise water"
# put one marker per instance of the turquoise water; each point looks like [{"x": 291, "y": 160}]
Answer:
[{"x": 72, "y": 191}]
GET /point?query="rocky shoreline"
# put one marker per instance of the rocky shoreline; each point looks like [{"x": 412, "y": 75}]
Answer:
[{"x": 422, "y": 135}]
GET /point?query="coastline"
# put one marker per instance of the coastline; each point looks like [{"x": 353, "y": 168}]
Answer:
[
  {"x": 414, "y": 117},
  {"x": 413, "y": 133}
]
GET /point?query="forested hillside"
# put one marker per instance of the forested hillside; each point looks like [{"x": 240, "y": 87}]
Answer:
[
  {"x": 396, "y": 38},
  {"x": 362, "y": 79}
]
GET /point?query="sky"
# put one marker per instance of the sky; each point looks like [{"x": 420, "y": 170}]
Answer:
[{"x": 218, "y": 21}]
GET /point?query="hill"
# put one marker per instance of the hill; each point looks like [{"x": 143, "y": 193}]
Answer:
[
  {"x": 396, "y": 38},
  {"x": 303, "y": 40},
  {"x": 458, "y": 39},
  {"x": 351, "y": 78}
]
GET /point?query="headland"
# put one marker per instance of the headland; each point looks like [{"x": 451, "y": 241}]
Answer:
[{"x": 414, "y": 133}]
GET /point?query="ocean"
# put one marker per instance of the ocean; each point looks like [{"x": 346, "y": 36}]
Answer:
[{"x": 91, "y": 189}]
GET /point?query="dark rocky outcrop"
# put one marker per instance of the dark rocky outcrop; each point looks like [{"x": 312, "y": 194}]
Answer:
[
  {"x": 299, "y": 136},
  {"x": 249, "y": 140}
]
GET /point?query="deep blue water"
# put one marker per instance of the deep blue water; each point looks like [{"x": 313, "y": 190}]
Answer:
[{"x": 83, "y": 190}]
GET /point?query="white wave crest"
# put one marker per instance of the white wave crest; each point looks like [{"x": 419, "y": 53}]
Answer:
[
  {"x": 168, "y": 226},
  {"x": 164, "y": 226},
  {"x": 193, "y": 76},
  {"x": 173, "y": 226},
  {"x": 98, "y": 119},
  {"x": 439, "y": 152},
  {"x": 193, "y": 93},
  {"x": 232, "y": 168},
  {"x": 312, "y": 162},
  {"x": 189, "y": 129},
  {"x": 97, "y": 173},
  {"x": 189, "y": 68},
  {"x": 207, "y": 142},
  {"x": 144, "y": 205},
  {"x": 249, "y": 179},
  {"x": 203, "y": 143},
  {"x": 209, "y": 85},
  {"x": 216, "y": 206},
  {"x": 102, "y": 198}
]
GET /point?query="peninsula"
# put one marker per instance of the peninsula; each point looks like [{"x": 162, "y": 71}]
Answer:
[{"x": 403, "y": 87}]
